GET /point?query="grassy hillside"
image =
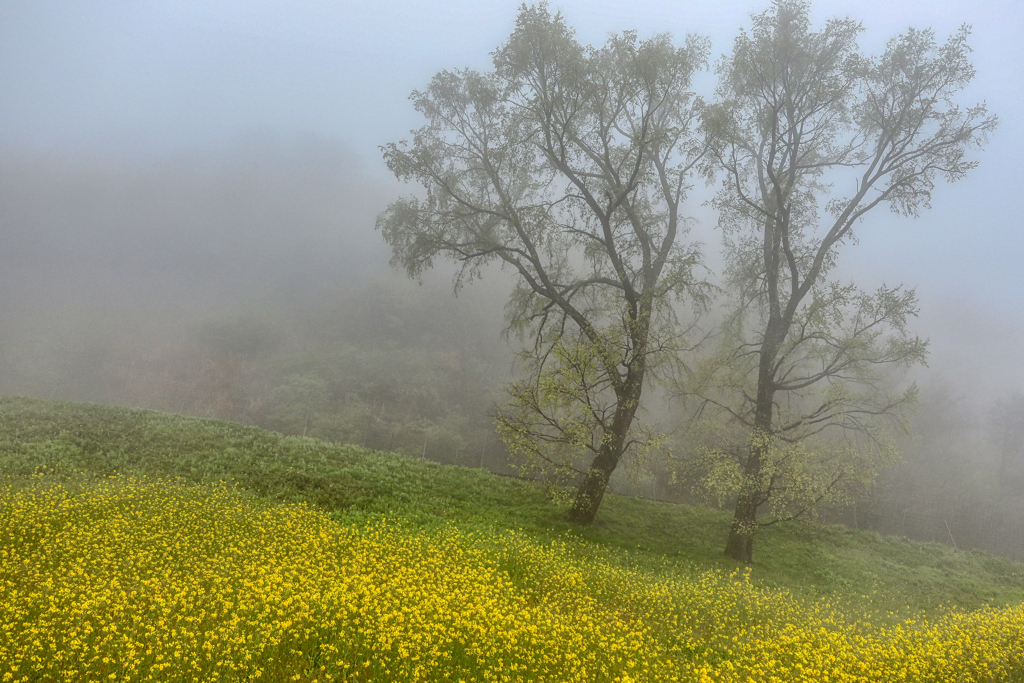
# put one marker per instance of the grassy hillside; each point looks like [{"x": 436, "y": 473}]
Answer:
[{"x": 882, "y": 574}]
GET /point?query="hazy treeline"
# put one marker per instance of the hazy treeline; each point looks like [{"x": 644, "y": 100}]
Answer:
[
  {"x": 247, "y": 284},
  {"x": 244, "y": 284},
  {"x": 961, "y": 477}
]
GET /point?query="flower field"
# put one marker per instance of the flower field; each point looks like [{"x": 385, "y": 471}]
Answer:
[{"x": 140, "y": 580}]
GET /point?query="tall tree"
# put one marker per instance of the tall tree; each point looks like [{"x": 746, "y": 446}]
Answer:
[
  {"x": 804, "y": 117},
  {"x": 569, "y": 165}
]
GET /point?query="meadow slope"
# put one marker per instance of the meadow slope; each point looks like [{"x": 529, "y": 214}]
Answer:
[{"x": 145, "y": 546}]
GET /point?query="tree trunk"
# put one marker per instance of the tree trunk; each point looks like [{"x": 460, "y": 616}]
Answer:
[
  {"x": 740, "y": 545},
  {"x": 592, "y": 488}
]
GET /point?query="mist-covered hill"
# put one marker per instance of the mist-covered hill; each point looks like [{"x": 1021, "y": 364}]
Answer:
[{"x": 247, "y": 283}]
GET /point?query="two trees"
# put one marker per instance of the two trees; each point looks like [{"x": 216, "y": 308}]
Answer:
[{"x": 570, "y": 164}]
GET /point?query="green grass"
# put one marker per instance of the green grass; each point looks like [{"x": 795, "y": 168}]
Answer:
[{"x": 868, "y": 571}]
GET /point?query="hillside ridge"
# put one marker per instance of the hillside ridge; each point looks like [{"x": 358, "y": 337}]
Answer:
[{"x": 67, "y": 440}]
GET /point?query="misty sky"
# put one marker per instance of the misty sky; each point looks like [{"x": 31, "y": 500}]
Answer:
[{"x": 146, "y": 77}]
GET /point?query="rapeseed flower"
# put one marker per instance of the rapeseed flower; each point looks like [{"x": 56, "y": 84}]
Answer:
[{"x": 139, "y": 580}]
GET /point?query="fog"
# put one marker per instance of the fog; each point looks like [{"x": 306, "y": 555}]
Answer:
[{"x": 187, "y": 207}]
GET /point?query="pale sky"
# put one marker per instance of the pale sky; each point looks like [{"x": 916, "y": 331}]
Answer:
[{"x": 139, "y": 77}]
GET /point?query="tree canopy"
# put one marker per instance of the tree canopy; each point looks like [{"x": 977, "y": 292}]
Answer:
[
  {"x": 569, "y": 165},
  {"x": 811, "y": 135}
]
